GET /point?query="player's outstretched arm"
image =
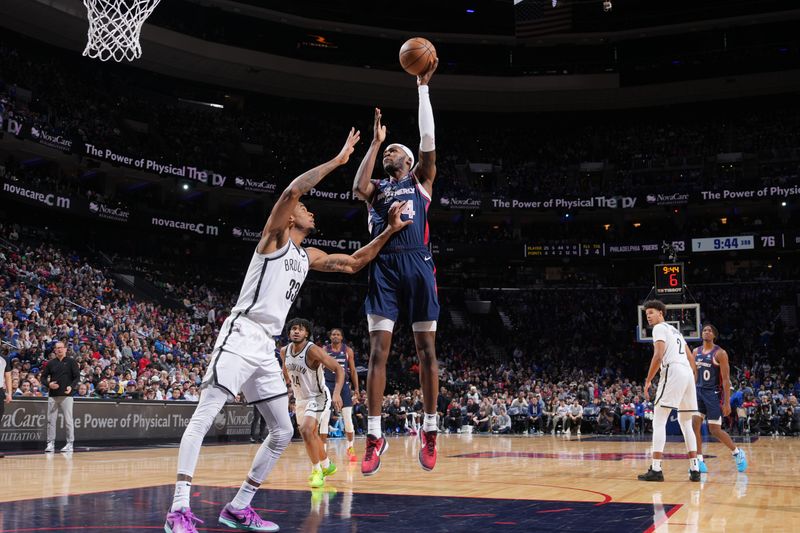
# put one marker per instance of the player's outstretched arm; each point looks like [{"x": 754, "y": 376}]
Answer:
[
  {"x": 426, "y": 168},
  {"x": 318, "y": 354},
  {"x": 350, "y": 264},
  {"x": 725, "y": 377},
  {"x": 279, "y": 217},
  {"x": 363, "y": 188}
]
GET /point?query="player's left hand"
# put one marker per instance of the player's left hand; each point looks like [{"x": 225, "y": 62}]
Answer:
[
  {"x": 647, "y": 391},
  {"x": 349, "y": 146},
  {"x": 395, "y": 222},
  {"x": 726, "y": 409},
  {"x": 337, "y": 402},
  {"x": 426, "y": 76}
]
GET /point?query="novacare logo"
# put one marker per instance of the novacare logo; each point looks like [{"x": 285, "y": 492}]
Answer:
[
  {"x": 50, "y": 200},
  {"x": 200, "y": 229},
  {"x": 246, "y": 234},
  {"x": 112, "y": 213}
]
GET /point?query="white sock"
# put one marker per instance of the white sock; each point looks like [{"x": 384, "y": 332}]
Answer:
[
  {"x": 349, "y": 444},
  {"x": 315, "y": 467},
  {"x": 244, "y": 496},
  {"x": 657, "y": 465},
  {"x": 429, "y": 424},
  {"x": 735, "y": 451},
  {"x": 693, "y": 464},
  {"x": 183, "y": 489},
  {"x": 374, "y": 426},
  {"x": 326, "y": 462},
  {"x": 699, "y": 457}
]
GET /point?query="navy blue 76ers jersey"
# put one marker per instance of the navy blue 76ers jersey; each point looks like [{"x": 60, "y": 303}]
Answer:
[
  {"x": 708, "y": 376},
  {"x": 412, "y": 237},
  {"x": 341, "y": 358}
]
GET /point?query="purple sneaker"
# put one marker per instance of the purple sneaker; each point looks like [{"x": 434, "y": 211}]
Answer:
[
  {"x": 247, "y": 519},
  {"x": 181, "y": 521}
]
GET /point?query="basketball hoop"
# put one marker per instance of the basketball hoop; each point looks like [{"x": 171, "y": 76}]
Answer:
[{"x": 114, "y": 28}]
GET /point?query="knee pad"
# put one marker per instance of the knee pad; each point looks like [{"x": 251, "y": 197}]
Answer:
[{"x": 347, "y": 414}]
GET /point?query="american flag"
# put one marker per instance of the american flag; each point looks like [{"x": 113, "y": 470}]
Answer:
[{"x": 535, "y": 18}]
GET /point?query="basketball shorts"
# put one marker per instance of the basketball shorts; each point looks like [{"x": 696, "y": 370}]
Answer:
[
  {"x": 708, "y": 404},
  {"x": 403, "y": 286},
  {"x": 676, "y": 389},
  {"x": 315, "y": 406},
  {"x": 347, "y": 395},
  {"x": 244, "y": 361}
]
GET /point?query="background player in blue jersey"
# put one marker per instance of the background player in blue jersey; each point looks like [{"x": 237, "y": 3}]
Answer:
[
  {"x": 346, "y": 358},
  {"x": 713, "y": 377},
  {"x": 402, "y": 282}
]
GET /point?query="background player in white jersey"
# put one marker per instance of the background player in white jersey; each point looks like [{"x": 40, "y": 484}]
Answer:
[
  {"x": 244, "y": 359},
  {"x": 676, "y": 389},
  {"x": 303, "y": 364},
  {"x": 714, "y": 396},
  {"x": 346, "y": 358}
]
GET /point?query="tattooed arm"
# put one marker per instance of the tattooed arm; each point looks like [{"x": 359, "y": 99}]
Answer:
[
  {"x": 274, "y": 234},
  {"x": 350, "y": 264}
]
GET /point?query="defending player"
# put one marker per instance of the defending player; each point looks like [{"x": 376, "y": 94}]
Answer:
[
  {"x": 244, "y": 359},
  {"x": 345, "y": 357},
  {"x": 713, "y": 374},
  {"x": 303, "y": 364},
  {"x": 402, "y": 278},
  {"x": 676, "y": 389}
]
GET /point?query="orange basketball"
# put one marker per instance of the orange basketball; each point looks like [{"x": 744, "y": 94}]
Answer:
[{"x": 416, "y": 55}]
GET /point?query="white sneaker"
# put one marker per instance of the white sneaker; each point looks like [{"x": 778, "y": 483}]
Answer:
[
  {"x": 579, "y": 432},
  {"x": 67, "y": 448},
  {"x": 51, "y": 447}
]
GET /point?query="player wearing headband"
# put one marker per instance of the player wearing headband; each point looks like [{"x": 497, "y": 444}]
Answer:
[{"x": 402, "y": 282}]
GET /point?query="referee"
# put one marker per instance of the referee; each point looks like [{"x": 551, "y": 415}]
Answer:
[{"x": 61, "y": 376}]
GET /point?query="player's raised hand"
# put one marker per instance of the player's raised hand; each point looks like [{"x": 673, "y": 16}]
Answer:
[
  {"x": 349, "y": 146},
  {"x": 379, "y": 129},
  {"x": 425, "y": 77},
  {"x": 395, "y": 222}
]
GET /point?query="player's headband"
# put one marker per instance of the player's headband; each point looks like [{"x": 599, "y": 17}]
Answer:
[{"x": 408, "y": 152}]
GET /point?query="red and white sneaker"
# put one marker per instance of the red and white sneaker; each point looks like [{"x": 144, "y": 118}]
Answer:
[
  {"x": 427, "y": 450},
  {"x": 372, "y": 456}
]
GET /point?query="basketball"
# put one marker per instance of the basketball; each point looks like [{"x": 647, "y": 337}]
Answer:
[{"x": 416, "y": 55}]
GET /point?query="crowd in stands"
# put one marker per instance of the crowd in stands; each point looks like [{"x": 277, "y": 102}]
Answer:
[
  {"x": 562, "y": 361},
  {"x": 540, "y": 361}
]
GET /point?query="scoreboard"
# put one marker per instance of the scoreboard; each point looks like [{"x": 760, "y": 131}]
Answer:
[{"x": 669, "y": 279}]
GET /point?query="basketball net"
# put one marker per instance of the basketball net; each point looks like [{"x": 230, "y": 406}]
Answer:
[{"x": 114, "y": 28}]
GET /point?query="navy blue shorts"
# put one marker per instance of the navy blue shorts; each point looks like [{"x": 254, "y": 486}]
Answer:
[
  {"x": 708, "y": 404},
  {"x": 347, "y": 396},
  {"x": 403, "y": 286}
]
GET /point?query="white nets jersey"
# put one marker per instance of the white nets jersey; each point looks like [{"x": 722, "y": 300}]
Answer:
[
  {"x": 271, "y": 285},
  {"x": 306, "y": 382},
  {"x": 676, "y": 348}
]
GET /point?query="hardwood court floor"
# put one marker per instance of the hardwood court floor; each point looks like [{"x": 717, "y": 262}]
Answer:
[{"x": 505, "y": 483}]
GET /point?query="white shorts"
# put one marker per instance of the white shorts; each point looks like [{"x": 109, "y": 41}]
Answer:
[
  {"x": 316, "y": 407},
  {"x": 244, "y": 361},
  {"x": 676, "y": 389}
]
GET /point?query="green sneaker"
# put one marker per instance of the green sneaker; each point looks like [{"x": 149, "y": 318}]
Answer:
[
  {"x": 316, "y": 479},
  {"x": 331, "y": 470}
]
